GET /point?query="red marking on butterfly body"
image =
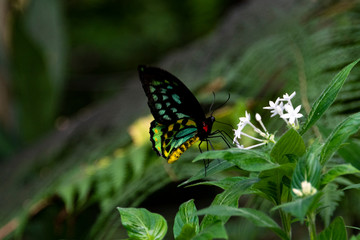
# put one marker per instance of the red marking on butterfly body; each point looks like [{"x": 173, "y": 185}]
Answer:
[{"x": 205, "y": 127}]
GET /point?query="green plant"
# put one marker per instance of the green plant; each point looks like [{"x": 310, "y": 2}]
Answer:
[{"x": 300, "y": 180}]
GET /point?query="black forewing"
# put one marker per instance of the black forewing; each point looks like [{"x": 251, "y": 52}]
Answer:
[{"x": 168, "y": 98}]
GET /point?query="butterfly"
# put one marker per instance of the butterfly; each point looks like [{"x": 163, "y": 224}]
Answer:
[{"x": 179, "y": 119}]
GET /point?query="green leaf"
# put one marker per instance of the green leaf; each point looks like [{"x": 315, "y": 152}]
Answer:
[
  {"x": 338, "y": 170},
  {"x": 38, "y": 50},
  {"x": 68, "y": 193},
  {"x": 336, "y": 231},
  {"x": 327, "y": 97},
  {"x": 291, "y": 143},
  {"x": 273, "y": 180},
  {"x": 142, "y": 224},
  {"x": 249, "y": 160},
  {"x": 354, "y": 186},
  {"x": 229, "y": 197},
  {"x": 357, "y": 237},
  {"x": 186, "y": 222},
  {"x": 257, "y": 217},
  {"x": 225, "y": 183},
  {"x": 300, "y": 207},
  {"x": 350, "y": 152},
  {"x": 308, "y": 169},
  {"x": 212, "y": 231},
  {"x": 330, "y": 200},
  {"x": 340, "y": 134},
  {"x": 214, "y": 167}
]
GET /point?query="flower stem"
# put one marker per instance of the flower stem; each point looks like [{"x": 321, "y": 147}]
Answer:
[{"x": 311, "y": 226}]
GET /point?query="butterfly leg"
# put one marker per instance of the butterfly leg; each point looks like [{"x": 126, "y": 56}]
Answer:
[
  {"x": 206, "y": 161},
  {"x": 223, "y": 135}
]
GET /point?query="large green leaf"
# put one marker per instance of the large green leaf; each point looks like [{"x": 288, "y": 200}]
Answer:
[
  {"x": 350, "y": 152},
  {"x": 38, "y": 66},
  {"x": 215, "y": 230},
  {"x": 214, "y": 167},
  {"x": 229, "y": 197},
  {"x": 225, "y": 183},
  {"x": 142, "y": 224},
  {"x": 259, "y": 218},
  {"x": 291, "y": 143},
  {"x": 340, "y": 134},
  {"x": 338, "y": 170},
  {"x": 186, "y": 223},
  {"x": 335, "y": 231},
  {"x": 327, "y": 97},
  {"x": 249, "y": 160}
]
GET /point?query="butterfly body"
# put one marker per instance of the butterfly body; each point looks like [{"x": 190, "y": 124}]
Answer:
[{"x": 179, "y": 119}]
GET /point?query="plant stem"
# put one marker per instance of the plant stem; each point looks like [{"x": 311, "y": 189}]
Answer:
[
  {"x": 311, "y": 226},
  {"x": 285, "y": 219}
]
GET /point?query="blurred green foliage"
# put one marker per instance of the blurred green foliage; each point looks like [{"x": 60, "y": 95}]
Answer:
[{"x": 64, "y": 55}]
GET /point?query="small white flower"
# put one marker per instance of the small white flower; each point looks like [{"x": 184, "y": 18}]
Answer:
[
  {"x": 288, "y": 98},
  {"x": 258, "y": 117},
  {"x": 246, "y": 119},
  {"x": 292, "y": 114},
  {"x": 306, "y": 189},
  {"x": 298, "y": 192},
  {"x": 276, "y": 108}
]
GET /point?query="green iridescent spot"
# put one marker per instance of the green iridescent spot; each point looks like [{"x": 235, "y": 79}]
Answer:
[
  {"x": 168, "y": 104},
  {"x": 181, "y": 115},
  {"x": 167, "y": 117},
  {"x": 176, "y": 98},
  {"x": 152, "y": 89},
  {"x": 169, "y": 87},
  {"x": 173, "y": 109},
  {"x": 162, "y": 112},
  {"x": 164, "y": 97},
  {"x": 155, "y": 97},
  {"x": 156, "y": 83},
  {"x": 163, "y": 91},
  {"x": 158, "y": 106}
]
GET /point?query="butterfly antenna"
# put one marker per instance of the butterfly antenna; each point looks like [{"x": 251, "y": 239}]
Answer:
[
  {"x": 212, "y": 104},
  {"x": 221, "y": 104}
]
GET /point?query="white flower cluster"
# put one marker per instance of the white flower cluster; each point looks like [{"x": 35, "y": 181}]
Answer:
[
  {"x": 306, "y": 189},
  {"x": 292, "y": 114},
  {"x": 278, "y": 107},
  {"x": 264, "y": 134}
]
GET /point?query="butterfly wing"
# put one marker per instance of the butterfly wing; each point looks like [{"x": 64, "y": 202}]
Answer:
[
  {"x": 170, "y": 141},
  {"x": 168, "y": 98}
]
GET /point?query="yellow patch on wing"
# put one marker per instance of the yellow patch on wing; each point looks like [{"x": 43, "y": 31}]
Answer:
[{"x": 180, "y": 150}]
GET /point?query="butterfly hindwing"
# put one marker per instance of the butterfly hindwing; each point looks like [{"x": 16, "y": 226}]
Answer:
[
  {"x": 168, "y": 98},
  {"x": 170, "y": 141}
]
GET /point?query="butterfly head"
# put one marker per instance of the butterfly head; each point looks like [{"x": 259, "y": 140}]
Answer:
[{"x": 206, "y": 127}]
